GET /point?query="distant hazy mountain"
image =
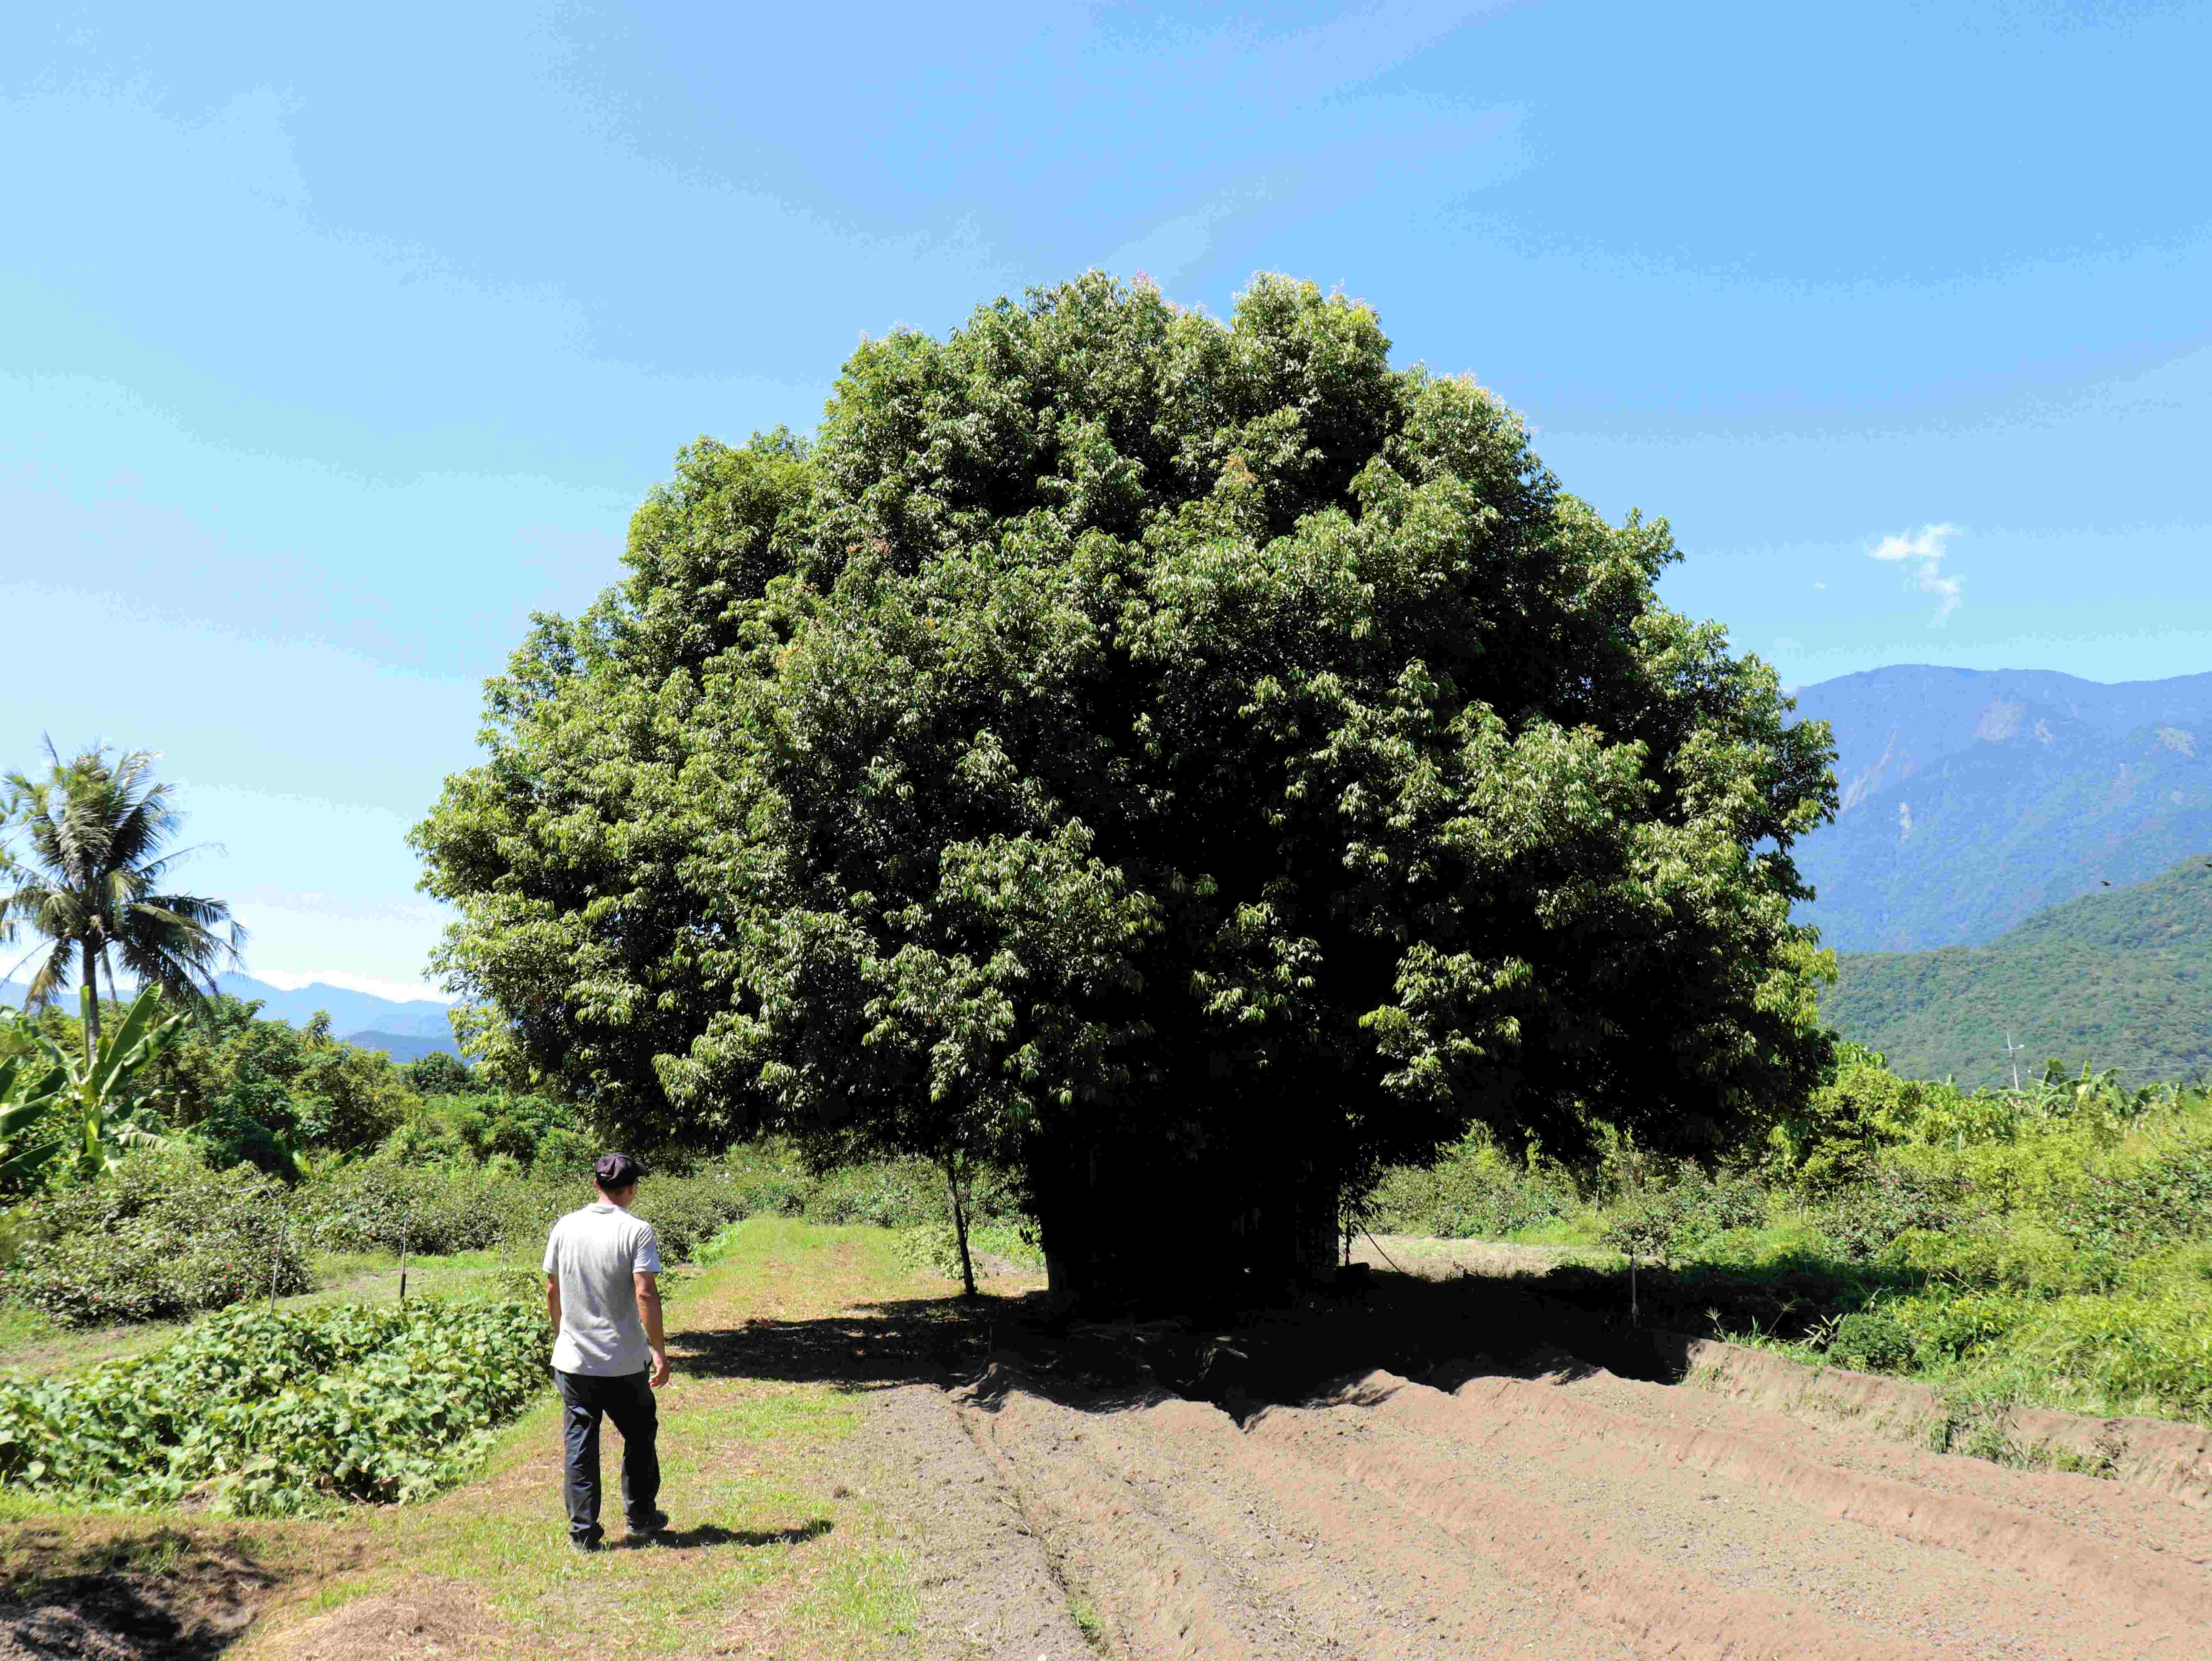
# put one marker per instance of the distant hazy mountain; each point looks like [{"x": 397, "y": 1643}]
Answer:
[
  {"x": 2121, "y": 978},
  {"x": 402, "y": 1048},
  {"x": 349, "y": 1012},
  {"x": 1972, "y": 799},
  {"x": 417, "y": 1024}
]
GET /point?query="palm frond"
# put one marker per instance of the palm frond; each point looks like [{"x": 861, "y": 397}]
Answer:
[
  {"x": 53, "y": 977},
  {"x": 186, "y": 975},
  {"x": 198, "y": 915},
  {"x": 141, "y": 824}
]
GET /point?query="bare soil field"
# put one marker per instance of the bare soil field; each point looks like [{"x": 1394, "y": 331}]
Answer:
[{"x": 1200, "y": 1493}]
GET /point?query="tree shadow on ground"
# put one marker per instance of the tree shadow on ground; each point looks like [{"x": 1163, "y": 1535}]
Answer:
[
  {"x": 159, "y": 1593},
  {"x": 1287, "y": 1350},
  {"x": 1564, "y": 1323},
  {"x": 870, "y": 1347}
]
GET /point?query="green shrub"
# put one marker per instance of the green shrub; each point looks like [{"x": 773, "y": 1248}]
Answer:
[
  {"x": 478, "y": 1126},
  {"x": 2015, "y": 1254},
  {"x": 160, "y": 1237},
  {"x": 687, "y": 1212},
  {"x": 1871, "y": 1341},
  {"x": 1670, "y": 1220},
  {"x": 1473, "y": 1193},
  {"x": 382, "y": 1204},
  {"x": 1951, "y": 1327},
  {"x": 934, "y": 1248},
  {"x": 1864, "y": 1221},
  {"x": 563, "y": 1155},
  {"x": 2162, "y": 1201},
  {"x": 262, "y": 1413},
  {"x": 887, "y": 1194},
  {"x": 2130, "y": 1353}
]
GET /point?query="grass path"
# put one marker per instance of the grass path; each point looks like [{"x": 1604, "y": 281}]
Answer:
[{"x": 771, "y": 1552}]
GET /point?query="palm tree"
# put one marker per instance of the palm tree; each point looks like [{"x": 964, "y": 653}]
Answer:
[{"x": 98, "y": 841}]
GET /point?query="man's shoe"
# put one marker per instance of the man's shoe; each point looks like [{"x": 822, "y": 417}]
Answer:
[
  {"x": 644, "y": 1528},
  {"x": 586, "y": 1543}
]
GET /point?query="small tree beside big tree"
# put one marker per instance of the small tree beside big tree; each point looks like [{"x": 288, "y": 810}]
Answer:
[{"x": 1189, "y": 762}]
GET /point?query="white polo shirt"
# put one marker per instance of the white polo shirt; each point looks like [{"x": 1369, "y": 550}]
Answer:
[{"x": 594, "y": 1253}]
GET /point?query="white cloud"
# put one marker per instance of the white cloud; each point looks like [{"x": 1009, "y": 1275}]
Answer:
[{"x": 1922, "y": 553}]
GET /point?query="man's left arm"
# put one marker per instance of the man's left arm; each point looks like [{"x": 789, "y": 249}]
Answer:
[
  {"x": 645, "y": 1277},
  {"x": 647, "y": 1288}
]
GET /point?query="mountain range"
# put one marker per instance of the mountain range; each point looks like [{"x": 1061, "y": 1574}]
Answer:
[
  {"x": 405, "y": 1031},
  {"x": 1974, "y": 798}
]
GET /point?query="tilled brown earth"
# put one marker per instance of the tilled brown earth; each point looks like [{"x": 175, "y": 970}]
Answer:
[{"x": 1566, "y": 1511}]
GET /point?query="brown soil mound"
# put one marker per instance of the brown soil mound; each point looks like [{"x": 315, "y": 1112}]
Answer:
[
  {"x": 2172, "y": 1457},
  {"x": 431, "y": 1619}
]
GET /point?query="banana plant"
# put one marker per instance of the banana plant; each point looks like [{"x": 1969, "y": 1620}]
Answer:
[
  {"x": 92, "y": 1103},
  {"x": 28, "y": 1097}
]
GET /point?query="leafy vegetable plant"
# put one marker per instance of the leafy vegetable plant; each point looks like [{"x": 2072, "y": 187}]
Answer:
[{"x": 258, "y": 1413}]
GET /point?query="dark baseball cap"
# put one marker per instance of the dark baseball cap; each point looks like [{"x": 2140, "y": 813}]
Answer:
[{"x": 616, "y": 1170}]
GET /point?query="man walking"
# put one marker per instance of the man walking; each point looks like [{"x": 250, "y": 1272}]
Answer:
[{"x": 602, "y": 1290}]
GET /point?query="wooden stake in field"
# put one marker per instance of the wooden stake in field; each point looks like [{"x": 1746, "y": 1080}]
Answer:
[
  {"x": 402, "y": 1265},
  {"x": 276, "y": 1255}
]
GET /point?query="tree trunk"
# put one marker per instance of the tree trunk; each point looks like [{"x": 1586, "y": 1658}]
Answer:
[
  {"x": 1129, "y": 1231},
  {"x": 92, "y": 1024},
  {"x": 960, "y": 1226}
]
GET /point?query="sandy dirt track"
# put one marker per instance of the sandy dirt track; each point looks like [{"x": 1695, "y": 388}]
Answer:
[{"x": 1548, "y": 1508}]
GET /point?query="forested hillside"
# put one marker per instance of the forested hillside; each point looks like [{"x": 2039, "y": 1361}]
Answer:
[
  {"x": 2121, "y": 978},
  {"x": 1971, "y": 799}
]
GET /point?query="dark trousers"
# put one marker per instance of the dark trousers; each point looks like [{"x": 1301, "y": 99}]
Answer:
[{"x": 627, "y": 1399}]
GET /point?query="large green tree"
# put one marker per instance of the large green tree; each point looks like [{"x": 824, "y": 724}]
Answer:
[
  {"x": 90, "y": 851},
  {"x": 1190, "y": 761}
]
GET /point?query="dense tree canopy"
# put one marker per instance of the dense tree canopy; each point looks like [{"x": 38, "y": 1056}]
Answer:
[{"x": 1176, "y": 756}]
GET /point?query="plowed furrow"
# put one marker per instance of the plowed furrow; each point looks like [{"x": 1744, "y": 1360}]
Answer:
[
  {"x": 2000, "y": 1536},
  {"x": 1493, "y": 1476},
  {"x": 1194, "y": 1542},
  {"x": 1640, "y": 1574},
  {"x": 1573, "y": 1520},
  {"x": 2096, "y": 1511}
]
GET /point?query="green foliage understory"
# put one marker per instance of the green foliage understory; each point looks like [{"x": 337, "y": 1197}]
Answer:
[
  {"x": 258, "y": 1413},
  {"x": 2123, "y": 976},
  {"x": 2048, "y": 1247}
]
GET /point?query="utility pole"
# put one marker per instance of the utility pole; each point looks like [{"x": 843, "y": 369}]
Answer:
[{"x": 2014, "y": 1058}]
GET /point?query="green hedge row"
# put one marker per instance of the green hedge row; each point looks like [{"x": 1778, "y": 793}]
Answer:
[{"x": 162, "y": 1238}]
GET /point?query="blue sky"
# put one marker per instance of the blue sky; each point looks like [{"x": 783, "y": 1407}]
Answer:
[{"x": 335, "y": 342}]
